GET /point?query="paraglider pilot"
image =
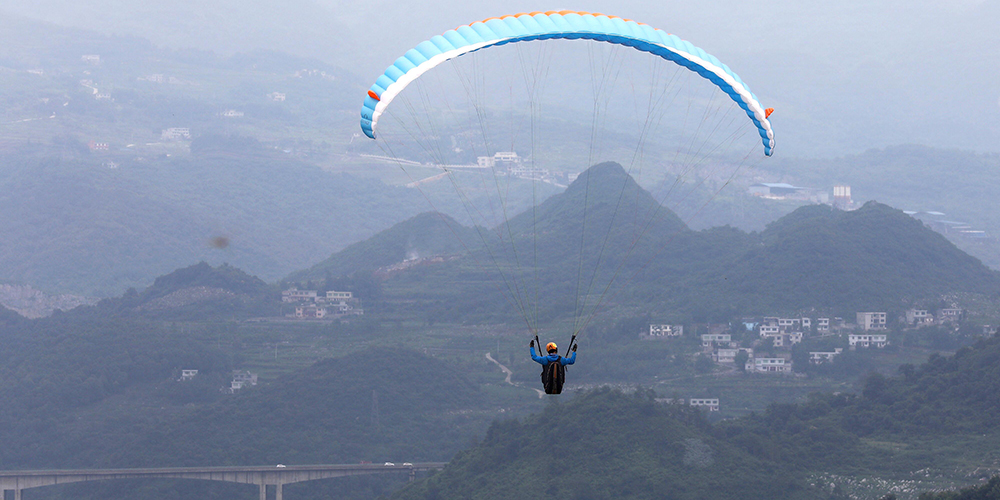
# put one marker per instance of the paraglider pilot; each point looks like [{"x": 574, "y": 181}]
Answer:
[{"x": 553, "y": 366}]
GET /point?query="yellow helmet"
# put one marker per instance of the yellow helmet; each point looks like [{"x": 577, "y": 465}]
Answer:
[{"x": 551, "y": 347}]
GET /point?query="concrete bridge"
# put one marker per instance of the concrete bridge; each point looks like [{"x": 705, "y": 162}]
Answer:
[{"x": 262, "y": 476}]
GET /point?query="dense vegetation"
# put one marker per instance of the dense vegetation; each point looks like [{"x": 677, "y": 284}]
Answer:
[
  {"x": 988, "y": 491},
  {"x": 426, "y": 235},
  {"x": 607, "y": 444},
  {"x": 636, "y": 252}
]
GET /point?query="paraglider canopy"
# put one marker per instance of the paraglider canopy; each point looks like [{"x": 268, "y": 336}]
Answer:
[{"x": 558, "y": 25}]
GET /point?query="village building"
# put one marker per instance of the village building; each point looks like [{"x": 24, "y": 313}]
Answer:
[
  {"x": 867, "y": 340},
  {"x": 728, "y": 355},
  {"x": 769, "y": 365},
  {"x": 188, "y": 374},
  {"x": 242, "y": 379},
  {"x": 666, "y": 330},
  {"x": 919, "y": 317},
  {"x": 822, "y": 324},
  {"x": 310, "y": 311},
  {"x": 950, "y": 314},
  {"x": 768, "y": 330},
  {"x": 296, "y": 295},
  {"x": 871, "y": 320},
  {"x": 708, "y": 338},
  {"x": 711, "y": 403},
  {"x": 819, "y": 357}
]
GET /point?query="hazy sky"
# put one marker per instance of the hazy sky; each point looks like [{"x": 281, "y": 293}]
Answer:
[{"x": 844, "y": 76}]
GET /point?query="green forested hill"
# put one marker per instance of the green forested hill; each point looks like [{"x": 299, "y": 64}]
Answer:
[
  {"x": 606, "y": 444},
  {"x": 426, "y": 235},
  {"x": 871, "y": 258},
  {"x": 375, "y": 405},
  {"x": 939, "y": 416},
  {"x": 606, "y": 239}
]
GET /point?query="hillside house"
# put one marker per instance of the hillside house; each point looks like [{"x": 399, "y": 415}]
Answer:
[
  {"x": 277, "y": 96},
  {"x": 310, "y": 311},
  {"x": 919, "y": 317},
  {"x": 242, "y": 379},
  {"x": 232, "y": 113},
  {"x": 769, "y": 330},
  {"x": 806, "y": 323},
  {"x": 334, "y": 296},
  {"x": 871, "y": 320},
  {"x": 92, "y": 59},
  {"x": 819, "y": 357},
  {"x": 728, "y": 355},
  {"x": 951, "y": 314},
  {"x": 188, "y": 374},
  {"x": 666, "y": 330},
  {"x": 711, "y": 403},
  {"x": 296, "y": 295},
  {"x": 769, "y": 365},
  {"x": 867, "y": 340},
  {"x": 822, "y": 324},
  {"x": 708, "y": 338},
  {"x": 786, "y": 324}
]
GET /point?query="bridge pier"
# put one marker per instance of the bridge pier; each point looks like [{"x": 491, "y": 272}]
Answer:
[
  {"x": 17, "y": 494},
  {"x": 263, "y": 491},
  {"x": 277, "y": 492}
]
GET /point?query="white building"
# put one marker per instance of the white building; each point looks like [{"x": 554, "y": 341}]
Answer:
[
  {"x": 728, "y": 355},
  {"x": 822, "y": 324},
  {"x": 794, "y": 337},
  {"x": 232, "y": 113},
  {"x": 769, "y": 330},
  {"x": 818, "y": 357},
  {"x": 339, "y": 296},
  {"x": 788, "y": 323},
  {"x": 242, "y": 379},
  {"x": 918, "y": 317},
  {"x": 310, "y": 311},
  {"x": 296, "y": 295},
  {"x": 867, "y": 340},
  {"x": 277, "y": 96},
  {"x": 769, "y": 365},
  {"x": 806, "y": 323},
  {"x": 951, "y": 314},
  {"x": 92, "y": 59},
  {"x": 711, "y": 403},
  {"x": 666, "y": 330},
  {"x": 188, "y": 374},
  {"x": 708, "y": 338},
  {"x": 507, "y": 159},
  {"x": 871, "y": 320}
]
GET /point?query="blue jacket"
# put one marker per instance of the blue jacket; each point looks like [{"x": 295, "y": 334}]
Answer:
[{"x": 545, "y": 360}]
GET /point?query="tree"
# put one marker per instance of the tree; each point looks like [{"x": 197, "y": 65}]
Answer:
[{"x": 741, "y": 360}]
